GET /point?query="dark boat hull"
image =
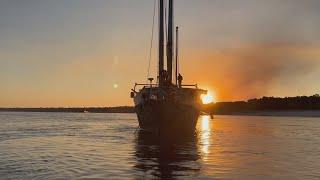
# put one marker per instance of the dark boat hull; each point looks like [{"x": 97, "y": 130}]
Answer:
[{"x": 167, "y": 117}]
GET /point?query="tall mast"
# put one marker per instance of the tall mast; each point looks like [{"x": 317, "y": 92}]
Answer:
[
  {"x": 161, "y": 42},
  {"x": 170, "y": 41},
  {"x": 177, "y": 54}
]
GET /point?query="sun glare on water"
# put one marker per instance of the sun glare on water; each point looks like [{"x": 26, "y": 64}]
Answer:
[{"x": 207, "y": 98}]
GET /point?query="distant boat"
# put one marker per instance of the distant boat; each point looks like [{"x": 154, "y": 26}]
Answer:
[{"x": 164, "y": 106}]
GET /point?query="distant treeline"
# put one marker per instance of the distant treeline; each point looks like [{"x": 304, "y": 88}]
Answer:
[
  {"x": 120, "y": 109},
  {"x": 267, "y": 104},
  {"x": 262, "y": 104}
]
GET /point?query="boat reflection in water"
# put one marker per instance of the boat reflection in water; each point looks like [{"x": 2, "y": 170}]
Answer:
[
  {"x": 166, "y": 157},
  {"x": 171, "y": 156}
]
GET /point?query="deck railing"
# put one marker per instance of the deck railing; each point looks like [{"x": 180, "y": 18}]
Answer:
[{"x": 156, "y": 85}]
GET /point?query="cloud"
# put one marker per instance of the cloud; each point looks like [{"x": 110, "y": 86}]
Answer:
[{"x": 252, "y": 71}]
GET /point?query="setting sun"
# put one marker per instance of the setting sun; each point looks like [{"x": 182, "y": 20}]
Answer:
[{"x": 207, "y": 98}]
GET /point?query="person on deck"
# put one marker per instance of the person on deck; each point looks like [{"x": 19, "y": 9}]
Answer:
[{"x": 180, "y": 78}]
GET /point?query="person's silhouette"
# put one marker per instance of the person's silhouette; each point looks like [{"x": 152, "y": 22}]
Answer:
[{"x": 180, "y": 78}]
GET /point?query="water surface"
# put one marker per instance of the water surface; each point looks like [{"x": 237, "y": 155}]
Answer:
[{"x": 110, "y": 146}]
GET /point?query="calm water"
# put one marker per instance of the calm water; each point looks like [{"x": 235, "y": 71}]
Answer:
[{"x": 109, "y": 146}]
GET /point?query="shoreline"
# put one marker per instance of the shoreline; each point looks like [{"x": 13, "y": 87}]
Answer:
[
  {"x": 120, "y": 109},
  {"x": 274, "y": 113}
]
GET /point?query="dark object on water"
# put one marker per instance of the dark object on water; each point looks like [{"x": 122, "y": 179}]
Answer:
[{"x": 166, "y": 107}]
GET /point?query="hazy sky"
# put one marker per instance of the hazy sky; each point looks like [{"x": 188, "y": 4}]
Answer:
[{"x": 74, "y": 52}]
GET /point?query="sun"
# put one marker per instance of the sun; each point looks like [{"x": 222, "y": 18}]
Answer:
[{"x": 207, "y": 98}]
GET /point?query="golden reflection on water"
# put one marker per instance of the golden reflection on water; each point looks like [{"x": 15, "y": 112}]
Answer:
[{"x": 205, "y": 136}]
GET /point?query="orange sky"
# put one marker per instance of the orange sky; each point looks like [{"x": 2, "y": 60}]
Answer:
[{"x": 58, "y": 53}]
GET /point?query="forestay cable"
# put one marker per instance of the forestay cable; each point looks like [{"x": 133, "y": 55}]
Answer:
[{"x": 151, "y": 41}]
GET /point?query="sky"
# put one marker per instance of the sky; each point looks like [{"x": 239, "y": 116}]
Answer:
[{"x": 80, "y": 53}]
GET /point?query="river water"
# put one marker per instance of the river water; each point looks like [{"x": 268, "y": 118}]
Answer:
[{"x": 110, "y": 146}]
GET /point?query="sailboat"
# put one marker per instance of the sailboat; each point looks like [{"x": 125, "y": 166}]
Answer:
[{"x": 165, "y": 106}]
